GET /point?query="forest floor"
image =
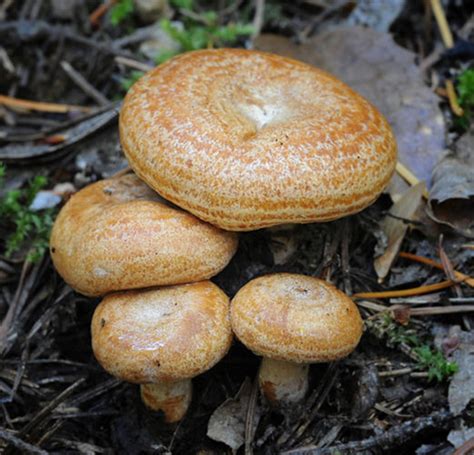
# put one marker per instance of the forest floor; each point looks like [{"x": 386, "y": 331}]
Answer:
[{"x": 408, "y": 388}]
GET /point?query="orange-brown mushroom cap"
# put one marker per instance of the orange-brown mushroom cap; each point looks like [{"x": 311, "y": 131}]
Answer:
[
  {"x": 246, "y": 139},
  {"x": 162, "y": 334},
  {"x": 296, "y": 318},
  {"x": 116, "y": 235}
]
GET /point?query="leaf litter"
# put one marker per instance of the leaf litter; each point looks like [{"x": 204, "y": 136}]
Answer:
[{"x": 48, "y": 375}]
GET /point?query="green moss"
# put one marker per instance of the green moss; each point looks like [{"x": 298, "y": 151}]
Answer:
[
  {"x": 465, "y": 90},
  {"x": 31, "y": 229},
  {"x": 428, "y": 359},
  {"x": 121, "y": 11}
]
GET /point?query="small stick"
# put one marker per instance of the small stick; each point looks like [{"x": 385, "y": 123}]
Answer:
[
  {"x": 22, "y": 446},
  {"x": 453, "y": 99},
  {"x": 135, "y": 64},
  {"x": 459, "y": 275},
  {"x": 40, "y": 106},
  {"x": 96, "y": 15},
  {"x": 426, "y": 311},
  {"x": 440, "y": 17},
  {"x": 405, "y": 292},
  {"x": 372, "y": 306},
  {"x": 258, "y": 18},
  {"x": 466, "y": 449},
  {"x": 82, "y": 82},
  {"x": 391, "y": 373},
  {"x": 449, "y": 272},
  {"x": 250, "y": 417},
  {"x": 407, "y": 175},
  {"x": 434, "y": 310}
]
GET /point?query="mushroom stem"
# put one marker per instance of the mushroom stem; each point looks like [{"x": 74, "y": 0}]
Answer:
[
  {"x": 283, "y": 382},
  {"x": 172, "y": 398}
]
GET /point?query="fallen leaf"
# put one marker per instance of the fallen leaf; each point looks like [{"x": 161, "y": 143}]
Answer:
[
  {"x": 283, "y": 245},
  {"x": 402, "y": 315},
  {"x": 160, "y": 42},
  {"x": 395, "y": 229},
  {"x": 461, "y": 387},
  {"x": 458, "y": 437},
  {"x": 367, "y": 387},
  {"x": 227, "y": 422},
  {"x": 451, "y": 199},
  {"x": 44, "y": 199},
  {"x": 73, "y": 134},
  {"x": 386, "y": 74},
  {"x": 368, "y": 13}
]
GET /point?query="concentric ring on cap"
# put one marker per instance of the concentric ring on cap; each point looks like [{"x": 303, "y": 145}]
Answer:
[
  {"x": 296, "y": 318},
  {"x": 246, "y": 139}
]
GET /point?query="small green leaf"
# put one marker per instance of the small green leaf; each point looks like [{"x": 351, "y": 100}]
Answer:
[
  {"x": 129, "y": 81},
  {"x": 184, "y": 4},
  {"x": 120, "y": 11},
  {"x": 31, "y": 229},
  {"x": 164, "y": 56}
]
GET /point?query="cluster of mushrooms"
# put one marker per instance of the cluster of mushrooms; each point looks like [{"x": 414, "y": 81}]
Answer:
[{"x": 221, "y": 141}]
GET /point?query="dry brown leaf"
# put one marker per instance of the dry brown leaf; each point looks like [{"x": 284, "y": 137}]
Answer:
[
  {"x": 461, "y": 387},
  {"x": 452, "y": 195},
  {"x": 386, "y": 74},
  {"x": 368, "y": 13},
  {"x": 227, "y": 422},
  {"x": 395, "y": 229}
]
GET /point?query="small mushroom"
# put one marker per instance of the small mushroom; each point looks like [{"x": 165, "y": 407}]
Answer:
[
  {"x": 161, "y": 338},
  {"x": 246, "y": 140},
  {"x": 118, "y": 234},
  {"x": 292, "y": 321}
]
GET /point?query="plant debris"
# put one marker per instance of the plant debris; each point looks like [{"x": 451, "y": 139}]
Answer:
[{"x": 408, "y": 388}]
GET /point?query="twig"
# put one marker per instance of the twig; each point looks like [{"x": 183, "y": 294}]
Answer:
[
  {"x": 394, "y": 436},
  {"x": 53, "y": 404},
  {"x": 316, "y": 400},
  {"x": 405, "y": 292},
  {"x": 449, "y": 271},
  {"x": 258, "y": 18},
  {"x": 40, "y": 106},
  {"x": 423, "y": 260},
  {"x": 453, "y": 99},
  {"x": 7, "y": 322},
  {"x": 426, "y": 311},
  {"x": 96, "y": 15},
  {"x": 435, "y": 310},
  {"x": 392, "y": 373},
  {"x": 380, "y": 407},
  {"x": 372, "y": 306},
  {"x": 135, "y": 64},
  {"x": 409, "y": 177},
  {"x": 446, "y": 34},
  {"x": 461, "y": 299},
  {"x": 86, "y": 87},
  {"x": 466, "y": 449},
  {"x": 21, "y": 445},
  {"x": 249, "y": 418}
]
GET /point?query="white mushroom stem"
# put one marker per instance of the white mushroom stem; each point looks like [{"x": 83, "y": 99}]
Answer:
[
  {"x": 283, "y": 382},
  {"x": 172, "y": 398}
]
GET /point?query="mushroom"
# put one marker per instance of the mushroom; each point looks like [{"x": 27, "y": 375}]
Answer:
[
  {"x": 161, "y": 338},
  {"x": 245, "y": 139},
  {"x": 291, "y": 321},
  {"x": 118, "y": 234}
]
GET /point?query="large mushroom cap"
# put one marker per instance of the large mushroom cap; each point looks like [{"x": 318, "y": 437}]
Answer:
[
  {"x": 296, "y": 318},
  {"x": 246, "y": 139},
  {"x": 116, "y": 235},
  {"x": 164, "y": 334}
]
